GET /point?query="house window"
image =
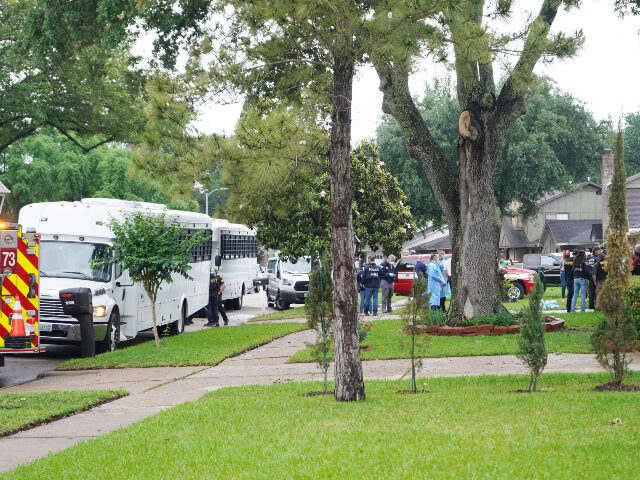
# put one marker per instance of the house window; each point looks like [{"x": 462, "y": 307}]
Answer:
[{"x": 557, "y": 216}]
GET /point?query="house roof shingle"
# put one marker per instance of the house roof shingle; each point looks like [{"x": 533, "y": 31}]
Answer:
[
  {"x": 573, "y": 232},
  {"x": 514, "y": 238}
]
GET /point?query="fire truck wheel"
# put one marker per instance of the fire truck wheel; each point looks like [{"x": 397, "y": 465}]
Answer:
[{"x": 112, "y": 337}]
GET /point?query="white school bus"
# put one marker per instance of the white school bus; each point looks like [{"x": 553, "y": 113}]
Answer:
[
  {"x": 72, "y": 234},
  {"x": 235, "y": 250}
]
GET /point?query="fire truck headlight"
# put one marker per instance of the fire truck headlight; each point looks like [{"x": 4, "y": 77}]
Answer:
[{"x": 100, "y": 311}]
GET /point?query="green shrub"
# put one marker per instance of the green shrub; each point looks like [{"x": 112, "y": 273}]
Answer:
[
  {"x": 432, "y": 317},
  {"x": 531, "y": 348}
]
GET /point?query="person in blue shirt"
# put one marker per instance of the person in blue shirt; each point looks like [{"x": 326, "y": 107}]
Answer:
[
  {"x": 436, "y": 282},
  {"x": 421, "y": 268},
  {"x": 446, "y": 290},
  {"x": 371, "y": 279}
]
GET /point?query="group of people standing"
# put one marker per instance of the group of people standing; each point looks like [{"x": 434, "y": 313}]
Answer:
[
  {"x": 438, "y": 275},
  {"x": 582, "y": 274},
  {"x": 371, "y": 278}
]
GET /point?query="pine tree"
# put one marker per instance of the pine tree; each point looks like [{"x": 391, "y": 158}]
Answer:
[
  {"x": 616, "y": 332},
  {"x": 320, "y": 313},
  {"x": 531, "y": 348}
]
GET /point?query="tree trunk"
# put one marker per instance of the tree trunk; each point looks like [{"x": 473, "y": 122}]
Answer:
[
  {"x": 478, "y": 289},
  {"x": 153, "y": 318},
  {"x": 349, "y": 382}
]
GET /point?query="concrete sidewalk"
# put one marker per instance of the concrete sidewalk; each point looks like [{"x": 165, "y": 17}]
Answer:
[{"x": 156, "y": 389}]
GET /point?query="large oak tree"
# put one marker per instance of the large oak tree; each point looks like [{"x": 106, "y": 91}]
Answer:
[{"x": 487, "y": 113}]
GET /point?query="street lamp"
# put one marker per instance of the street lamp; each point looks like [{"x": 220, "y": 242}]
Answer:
[{"x": 206, "y": 198}]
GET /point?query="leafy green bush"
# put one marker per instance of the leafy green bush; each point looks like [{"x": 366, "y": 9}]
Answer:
[
  {"x": 432, "y": 317},
  {"x": 501, "y": 318},
  {"x": 364, "y": 329}
]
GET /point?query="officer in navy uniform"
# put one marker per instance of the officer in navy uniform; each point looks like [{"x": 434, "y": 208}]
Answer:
[
  {"x": 388, "y": 274},
  {"x": 371, "y": 279},
  {"x": 592, "y": 271},
  {"x": 216, "y": 287},
  {"x": 568, "y": 273}
]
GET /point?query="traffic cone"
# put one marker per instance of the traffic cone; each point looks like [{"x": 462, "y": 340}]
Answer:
[{"x": 17, "y": 322}]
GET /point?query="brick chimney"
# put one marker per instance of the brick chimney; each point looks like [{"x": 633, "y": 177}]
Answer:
[{"x": 607, "y": 176}]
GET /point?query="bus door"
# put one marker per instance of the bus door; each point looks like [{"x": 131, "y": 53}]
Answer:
[{"x": 125, "y": 293}]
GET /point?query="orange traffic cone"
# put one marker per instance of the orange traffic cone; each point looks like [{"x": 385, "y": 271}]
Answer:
[{"x": 17, "y": 322}]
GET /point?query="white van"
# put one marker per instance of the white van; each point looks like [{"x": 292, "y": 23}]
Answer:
[
  {"x": 288, "y": 281},
  {"x": 74, "y": 233}
]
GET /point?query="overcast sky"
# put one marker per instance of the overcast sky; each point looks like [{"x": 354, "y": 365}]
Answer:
[{"x": 605, "y": 74}]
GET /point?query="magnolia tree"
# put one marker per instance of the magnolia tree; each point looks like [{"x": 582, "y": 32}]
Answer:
[{"x": 152, "y": 248}]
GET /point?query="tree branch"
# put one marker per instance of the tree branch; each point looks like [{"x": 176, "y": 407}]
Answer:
[
  {"x": 75, "y": 142},
  {"x": 18, "y": 136},
  {"x": 510, "y": 102},
  {"x": 421, "y": 145}
]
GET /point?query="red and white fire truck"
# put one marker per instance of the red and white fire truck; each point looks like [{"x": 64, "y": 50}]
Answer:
[{"x": 20, "y": 277}]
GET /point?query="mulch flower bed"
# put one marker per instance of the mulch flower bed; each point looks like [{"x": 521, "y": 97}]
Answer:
[
  {"x": 612, "y": 387},
  {"x": 552, "y": 324}
]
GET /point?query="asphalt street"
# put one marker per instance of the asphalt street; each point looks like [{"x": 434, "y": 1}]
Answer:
[{"x": 26, "y": 368}]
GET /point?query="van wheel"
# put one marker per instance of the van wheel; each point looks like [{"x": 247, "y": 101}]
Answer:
[
  {"x": 112, "y": 337},
  {"x": 281, "y": 304},
  {"x": 177, "y": 326}
]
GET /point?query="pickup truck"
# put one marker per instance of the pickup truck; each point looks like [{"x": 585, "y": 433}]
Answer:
[{"x": 548, "y": 264}]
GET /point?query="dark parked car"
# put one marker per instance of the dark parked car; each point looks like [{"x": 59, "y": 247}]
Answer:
[{"x": 546, "y": 263}]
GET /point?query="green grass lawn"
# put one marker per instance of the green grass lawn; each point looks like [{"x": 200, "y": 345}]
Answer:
[
  {"x": 19, "y": 411},
  {"x": 386, "y": 337},
  {"x": 464, "y": 427},
  {"x": 204, "y": 347},
  {"x": 552, "y": 293},
  {"x": 298, "y": 312},
  {"x": 586, "y": 320}
]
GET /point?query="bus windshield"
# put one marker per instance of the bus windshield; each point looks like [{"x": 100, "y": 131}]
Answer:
[
  {"x": 73, "y": 260},
  {"x": 303, "y": 265}
]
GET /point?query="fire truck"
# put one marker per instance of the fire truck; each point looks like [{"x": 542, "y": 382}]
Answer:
[{"x": 20, "y": 276}]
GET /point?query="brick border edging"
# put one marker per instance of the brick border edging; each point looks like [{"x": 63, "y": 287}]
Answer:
[{"x": 484, "y": 329}]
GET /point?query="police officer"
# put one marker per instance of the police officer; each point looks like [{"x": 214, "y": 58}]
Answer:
[
  {"x": 371, "y": 279},
  {"x": 216, "y": 287},
  {"x": 388, "y": 275},
  {"x": 568, "y": 273},
  {"x": 592, "y": 271}
]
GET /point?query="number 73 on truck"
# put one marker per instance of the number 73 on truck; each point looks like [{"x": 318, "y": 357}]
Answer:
[{"x": 19, "y": 275}]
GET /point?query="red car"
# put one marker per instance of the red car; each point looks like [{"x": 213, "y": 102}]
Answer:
[
  {"x": 521, "y": 281},
  {"x": 522, "y": 278}
]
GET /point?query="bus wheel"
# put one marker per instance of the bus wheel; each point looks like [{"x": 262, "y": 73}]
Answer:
[
  {"x": 237, "y": 302},
  {"x": 112, "y": 337},
  {"x": 177, "y": 326},
  {"x": 281, "y": 304}
]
